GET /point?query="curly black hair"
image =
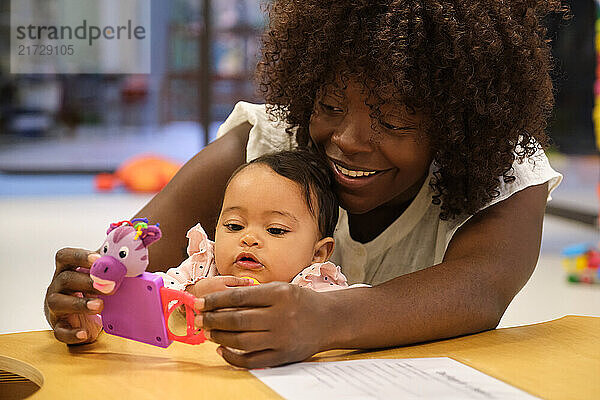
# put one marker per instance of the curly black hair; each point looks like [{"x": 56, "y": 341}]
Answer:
[{"x": 478, "y": 69}]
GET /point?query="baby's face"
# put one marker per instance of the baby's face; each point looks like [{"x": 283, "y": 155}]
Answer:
[{"x": 265, "y": 230}]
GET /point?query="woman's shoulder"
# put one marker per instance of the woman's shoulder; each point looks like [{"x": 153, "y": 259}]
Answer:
[
  {"x": 266, "y": 135},
  {"x": 530, "y": 171}
]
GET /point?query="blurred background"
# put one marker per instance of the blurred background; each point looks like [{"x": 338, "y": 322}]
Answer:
[{"x": 62, "y": 136}]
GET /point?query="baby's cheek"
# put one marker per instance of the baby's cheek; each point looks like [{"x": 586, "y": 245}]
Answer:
[
  {"x": 287, "y": 270},
  {"x": 221, "y": 257}
]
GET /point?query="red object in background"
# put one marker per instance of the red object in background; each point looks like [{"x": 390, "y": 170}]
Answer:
[
  {"x": 593, "y": 259},
  {"x": 142, "y": 174},
  {"x": 134, "y": 89}
]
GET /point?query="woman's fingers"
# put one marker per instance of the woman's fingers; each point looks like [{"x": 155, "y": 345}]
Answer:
[
  {"x": 64, "y": 332},
  {"x": 257, "y": 359},
  {"x": 252, "y": 296},
  {"x": 70, "y": 301},
  {"x": 247, "y": 341},
  {"x": 70, "y": 258},
  {"x": 71, "y": 282},
  {"x": 61, "y": 304},
  {"x": 272, "y": 324},
  {"x": 233, "y": 320}
]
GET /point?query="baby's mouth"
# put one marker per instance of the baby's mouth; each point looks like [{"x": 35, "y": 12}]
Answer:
[{"x": 248, "y": 261}]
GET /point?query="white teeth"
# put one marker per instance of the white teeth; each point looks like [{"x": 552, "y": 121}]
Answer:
[{"x": 353, "y": 173}]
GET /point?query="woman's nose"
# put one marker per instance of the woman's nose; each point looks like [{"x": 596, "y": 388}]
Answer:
[{"x": 352, "y": 137}]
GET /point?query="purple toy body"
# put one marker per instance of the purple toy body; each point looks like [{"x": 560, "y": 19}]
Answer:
[{"x": 135, "y": 311}]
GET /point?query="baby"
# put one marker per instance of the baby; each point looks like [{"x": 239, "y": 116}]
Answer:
[{"x": 276, "y": 224}]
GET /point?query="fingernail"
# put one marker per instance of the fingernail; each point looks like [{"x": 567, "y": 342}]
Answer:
[
  {"x": 81, "y": 335},
  {"x": 93, "y": 257},
  {"x": 198, "y": 321},
  {"x": 94, "y": 305},
  {"x": 207, "y": 334},
  {"x": 199, "y": 304}
]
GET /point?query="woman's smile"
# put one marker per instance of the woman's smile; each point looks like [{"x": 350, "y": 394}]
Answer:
[{"x": 354, "y": 177}]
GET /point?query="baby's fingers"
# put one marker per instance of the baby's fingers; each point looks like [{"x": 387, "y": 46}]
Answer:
[{"x": 233, "y": 281}]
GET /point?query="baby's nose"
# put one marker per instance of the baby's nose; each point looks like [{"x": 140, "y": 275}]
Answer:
[{"x": 249, "y": 239}]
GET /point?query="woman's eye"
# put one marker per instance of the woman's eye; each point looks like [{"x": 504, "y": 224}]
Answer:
[
  {"x": 276, "y": 231},
  {"x": 396, "y": 128},
  {"x": 234, "y": 227},
  {"x": 330, "y": 109}
]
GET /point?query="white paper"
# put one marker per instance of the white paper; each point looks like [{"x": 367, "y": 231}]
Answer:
[{"x": 410, "y": 378}]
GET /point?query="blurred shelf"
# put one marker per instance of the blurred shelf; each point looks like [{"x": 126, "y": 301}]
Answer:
[{"x": 212, "y": 59}]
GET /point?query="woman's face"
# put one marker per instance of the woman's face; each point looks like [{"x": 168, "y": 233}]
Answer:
[{"x": 375, "y": 163}]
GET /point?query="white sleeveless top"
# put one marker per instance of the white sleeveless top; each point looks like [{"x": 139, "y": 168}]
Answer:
[{"x": 417, "y": 239}]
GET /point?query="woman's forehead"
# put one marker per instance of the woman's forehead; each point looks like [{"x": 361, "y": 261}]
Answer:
[
  {"x": 357, "y": 93},
  {"x": 353, "y": 88}
]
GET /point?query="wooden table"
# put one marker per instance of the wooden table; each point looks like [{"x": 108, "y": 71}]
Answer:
[{"x": 559, "y": 359}]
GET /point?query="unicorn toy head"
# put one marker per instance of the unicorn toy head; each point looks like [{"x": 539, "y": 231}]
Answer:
[{"x": 124, "y": 253}]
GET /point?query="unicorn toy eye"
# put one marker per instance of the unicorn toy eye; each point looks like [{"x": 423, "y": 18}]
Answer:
[
  {"x": 123, "y": 252},
  {"x": 105, "y": 248}
]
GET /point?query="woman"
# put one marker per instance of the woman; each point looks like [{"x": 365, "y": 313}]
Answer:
[{"x": 431, "y": 115}]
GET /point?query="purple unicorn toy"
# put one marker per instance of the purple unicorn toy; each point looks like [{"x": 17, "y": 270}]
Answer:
[
  {"x": 124, "y": 253},
  {"x": 137, "y": 305}
]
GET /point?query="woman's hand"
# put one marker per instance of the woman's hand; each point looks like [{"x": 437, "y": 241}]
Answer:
[
  {"x": 216, "y": 284},
  {"x": 70, "y": 303},
  {"x": 272, "y": 324}
]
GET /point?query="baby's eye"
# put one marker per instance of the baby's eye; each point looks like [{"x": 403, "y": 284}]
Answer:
[
  {"x": 277, "y": 231},
  {"x": 234, "y": 227}
]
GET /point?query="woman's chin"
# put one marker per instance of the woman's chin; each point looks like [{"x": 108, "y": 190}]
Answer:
[{"x": 356, "y": 206}]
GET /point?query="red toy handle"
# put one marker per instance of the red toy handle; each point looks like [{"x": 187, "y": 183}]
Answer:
[{"x": 182, "y": 298}]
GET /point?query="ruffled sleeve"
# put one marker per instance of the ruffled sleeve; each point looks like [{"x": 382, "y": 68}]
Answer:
[
  {"x": 266, "y": 135},
  {"x": 200, "y": 263},
  {"x": 321, "y": 277}
]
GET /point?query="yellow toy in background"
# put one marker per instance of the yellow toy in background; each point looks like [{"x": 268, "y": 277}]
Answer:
[{"x": 141, "y": 174}]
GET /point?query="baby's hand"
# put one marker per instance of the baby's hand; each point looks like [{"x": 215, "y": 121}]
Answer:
[{"x": 217, "y": 284}]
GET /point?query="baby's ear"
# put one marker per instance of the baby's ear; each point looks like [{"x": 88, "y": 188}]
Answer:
[{"x": 323, "y": 250}]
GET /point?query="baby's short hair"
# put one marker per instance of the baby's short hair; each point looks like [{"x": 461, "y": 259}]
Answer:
[{"x": 313, "y": 175}]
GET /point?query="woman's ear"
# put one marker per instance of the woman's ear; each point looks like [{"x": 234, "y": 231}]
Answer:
[{"x": 323, "y": 250}]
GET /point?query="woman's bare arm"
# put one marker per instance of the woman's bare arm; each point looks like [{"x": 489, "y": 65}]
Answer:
[
  {"x": 487, "y": 262},
  {"x": 194, "y": 196}
]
